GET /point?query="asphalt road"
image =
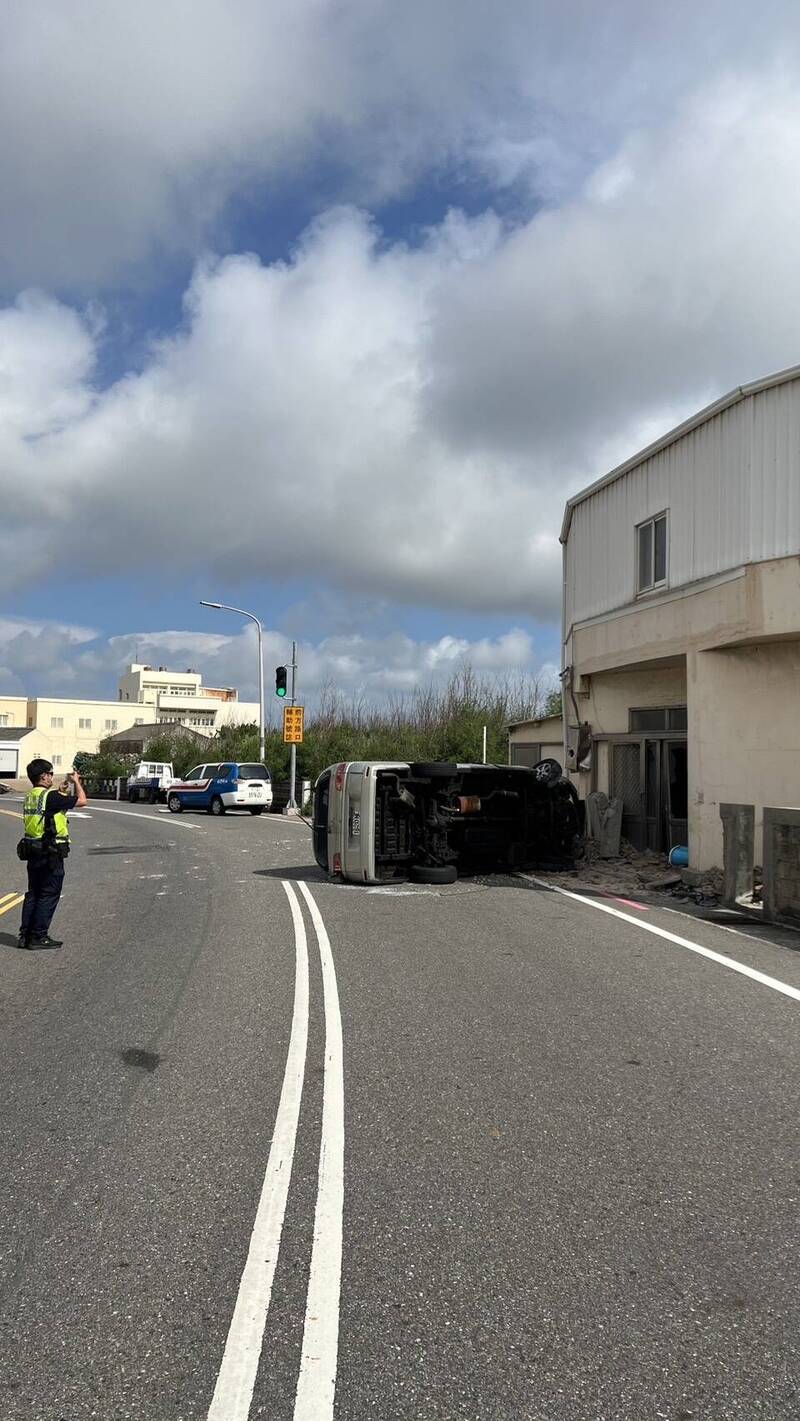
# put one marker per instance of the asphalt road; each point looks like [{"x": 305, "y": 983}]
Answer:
[{"x": 552, "y": 1173}]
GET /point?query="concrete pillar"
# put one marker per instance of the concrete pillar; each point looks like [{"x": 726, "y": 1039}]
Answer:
[
  {"x": 782, "y": 863},
  {"x": 738, "y": 843}
]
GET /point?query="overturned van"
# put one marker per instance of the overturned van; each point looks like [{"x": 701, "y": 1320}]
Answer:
[{"x": 379, "y": 821}]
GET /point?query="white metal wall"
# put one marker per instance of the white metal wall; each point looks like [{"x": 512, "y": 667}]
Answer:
[{"x": 732, "y": 487}]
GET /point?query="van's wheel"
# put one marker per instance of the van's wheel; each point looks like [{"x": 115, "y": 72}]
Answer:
[
  {"x": 216, "y": 806},
  {"x": 174, "y": 805},
  {"x": 435, "y": 770},
  {"x": 257, "y": 810},
  {"x": 548, "y": 772},
  {"x": 423, "y": 873}
]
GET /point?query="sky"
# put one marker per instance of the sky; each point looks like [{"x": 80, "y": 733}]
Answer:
[{"x": 324, "y": 307}]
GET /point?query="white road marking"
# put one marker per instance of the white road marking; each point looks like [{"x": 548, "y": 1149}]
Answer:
[
  {"x": 234, "y": 1390},
  {"x": 79, "y": 814},
  {"x": 647, "y": 927},
  {"x": 316, "y": 1384},
  {"x": 103, "y": 809},
  {"x": 408, "y": 892}
]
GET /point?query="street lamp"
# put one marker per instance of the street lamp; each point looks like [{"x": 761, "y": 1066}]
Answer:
[{"x": 223, "y": 607}]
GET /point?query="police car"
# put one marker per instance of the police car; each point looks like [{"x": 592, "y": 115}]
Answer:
[{"x": 220, "y": 787}]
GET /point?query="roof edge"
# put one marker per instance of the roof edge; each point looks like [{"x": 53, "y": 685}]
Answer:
[{"x": 741, "y": 392}]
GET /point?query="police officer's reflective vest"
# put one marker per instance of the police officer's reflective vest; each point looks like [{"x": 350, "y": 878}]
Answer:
[{"x": 33, "y": 813}]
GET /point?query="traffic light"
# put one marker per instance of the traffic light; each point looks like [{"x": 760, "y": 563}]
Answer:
[{"x": 280, "y": 681}]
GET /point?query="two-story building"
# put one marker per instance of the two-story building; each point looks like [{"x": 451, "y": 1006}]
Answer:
[{"x": 681, "y": 622}]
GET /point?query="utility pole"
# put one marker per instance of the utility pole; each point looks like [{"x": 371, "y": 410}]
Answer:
[{"x": 291, "y": 807}]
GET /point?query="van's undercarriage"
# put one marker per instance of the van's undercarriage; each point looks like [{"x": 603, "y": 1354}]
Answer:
[{"x": 434, "y": 821}]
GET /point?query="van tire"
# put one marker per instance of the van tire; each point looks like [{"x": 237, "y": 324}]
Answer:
[
  {"x": 435, "y": 770},
  {"x": 174, "y": 805},
  {"x": 424, "y": 873},
  {"x": 257, "y": 810},
  {"x": 216, "y": 806}
]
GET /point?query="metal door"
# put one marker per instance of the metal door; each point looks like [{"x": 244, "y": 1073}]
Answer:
[{"x": 627, "y": 784}]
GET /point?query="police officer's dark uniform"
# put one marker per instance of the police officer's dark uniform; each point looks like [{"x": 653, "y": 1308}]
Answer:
[{"x": 45, "y": 845}]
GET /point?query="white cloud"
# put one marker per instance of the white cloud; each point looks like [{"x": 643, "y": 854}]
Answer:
[
  {"x": 292, "y": 406},
  {"x": 130, "y": 125},
  {"x": 39, "y": 657},
  {"x": 406, "y": 424}
]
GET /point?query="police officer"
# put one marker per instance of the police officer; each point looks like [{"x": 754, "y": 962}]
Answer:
[{"x": 46, "y": 846}]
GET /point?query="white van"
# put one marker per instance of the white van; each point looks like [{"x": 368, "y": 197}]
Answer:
[{"x": 379, "y": 821}]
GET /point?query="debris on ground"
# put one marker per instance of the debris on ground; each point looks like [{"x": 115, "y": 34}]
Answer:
[{"x": 637, "y": 873}]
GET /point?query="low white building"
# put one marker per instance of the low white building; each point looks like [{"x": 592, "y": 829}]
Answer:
[
  {"x": 18, "y": 746},
  {"x": 530, "y": 741},
  {"x": 681, "y": 634}
]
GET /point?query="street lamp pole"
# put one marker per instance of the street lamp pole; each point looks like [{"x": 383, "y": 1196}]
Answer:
[{"x": 223, "y": 607}]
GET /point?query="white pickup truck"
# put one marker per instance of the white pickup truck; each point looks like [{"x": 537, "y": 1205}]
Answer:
[{"x": 150, "y": 781}]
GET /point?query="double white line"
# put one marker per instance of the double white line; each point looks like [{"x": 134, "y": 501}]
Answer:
[{"x": 317, "y": 1378}]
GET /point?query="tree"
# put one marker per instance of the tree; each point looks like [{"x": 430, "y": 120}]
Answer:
[{"x": 552, "y": 705}]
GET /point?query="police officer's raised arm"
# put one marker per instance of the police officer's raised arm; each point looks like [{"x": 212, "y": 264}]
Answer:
[{"x": 78, "y": 789}]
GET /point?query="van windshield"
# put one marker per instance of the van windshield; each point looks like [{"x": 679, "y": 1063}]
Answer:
[{"x": 253, "y": 772}]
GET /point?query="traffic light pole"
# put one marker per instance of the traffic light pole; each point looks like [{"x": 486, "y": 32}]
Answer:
[{"x": 291, "y": 807}]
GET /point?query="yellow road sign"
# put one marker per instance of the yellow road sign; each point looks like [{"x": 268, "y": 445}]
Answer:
[{"x": 293, "y": 724}]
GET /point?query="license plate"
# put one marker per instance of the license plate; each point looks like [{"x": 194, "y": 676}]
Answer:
[{"x": 355, "y": 823}]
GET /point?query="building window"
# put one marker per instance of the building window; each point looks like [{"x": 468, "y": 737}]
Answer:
[
  {"x": 651, "y": 553},
  {"x": 656, "y": 720},
  {"x": 4, "y": 719},
  {"x": 56, "y": 761},
  {"x": 138, "y": 721},
  {"x": 525, "y": 752},
  {"x": 56, "y": 722},
  {"x": 111, "y": 725},
  {"x": 84, "y": 723}
]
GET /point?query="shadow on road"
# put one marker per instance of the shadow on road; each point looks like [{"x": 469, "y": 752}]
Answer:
[{"x": 307, "y": 872}]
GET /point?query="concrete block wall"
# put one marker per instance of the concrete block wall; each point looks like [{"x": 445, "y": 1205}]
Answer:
[
  {"x": 738, "y": 838},
  {"x": 782, "y": 863}
]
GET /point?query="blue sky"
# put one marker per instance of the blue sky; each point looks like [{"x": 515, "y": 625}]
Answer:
[{"x": 324, "y": 309}]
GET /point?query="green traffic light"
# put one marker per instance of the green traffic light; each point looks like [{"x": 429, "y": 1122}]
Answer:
[{"x": 280, "y": 681}]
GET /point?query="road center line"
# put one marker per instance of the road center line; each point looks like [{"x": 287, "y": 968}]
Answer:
[
  {"x": 646, "y": 927},
  {"x": 104, "y": 809},
  {"x": 16, "y": 899},
  {"x": 234, "y": 1390},
  {"x": 316, "y": 1384}
]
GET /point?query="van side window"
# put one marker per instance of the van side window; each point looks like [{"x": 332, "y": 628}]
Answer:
[{"x": 195, "y": 774}]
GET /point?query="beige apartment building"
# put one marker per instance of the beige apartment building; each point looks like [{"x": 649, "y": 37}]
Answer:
[
  {"x": 145, "y": 695},
  {"x": 681, "y": 622}
]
